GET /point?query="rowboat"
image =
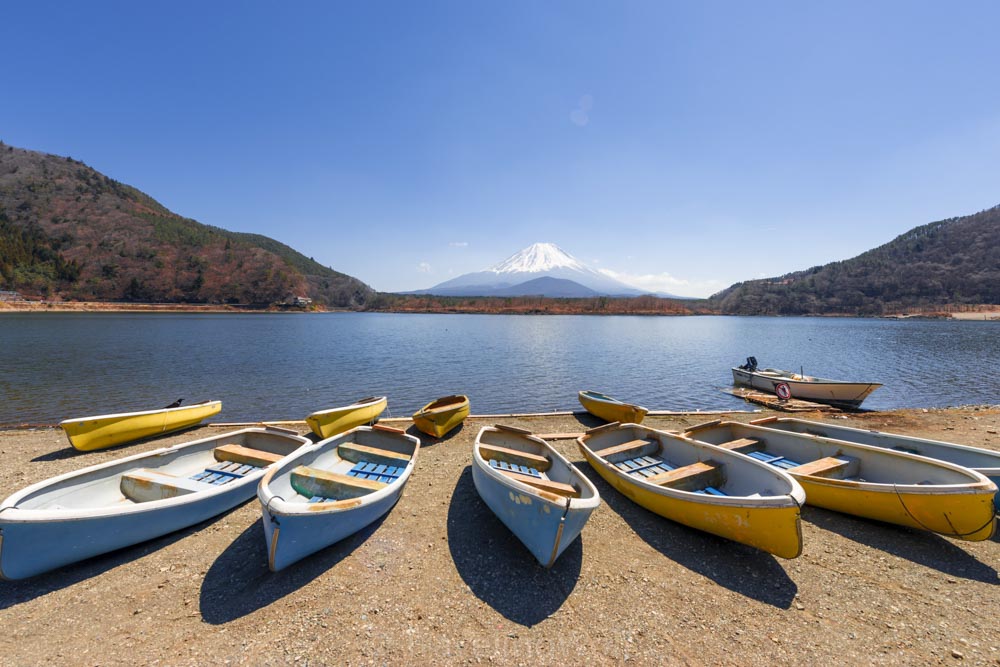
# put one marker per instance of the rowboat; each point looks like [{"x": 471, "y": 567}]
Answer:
[
  {"x": 533, "y": 489},
  {"x": 984, "y": 461},
  {"x": 119, "y": 503},
  {"x": 611, "y": 409},
  {"x": 786, "y": 384},
  {"x": 326, "y": 423},
  {"x": 102, "y": 431},
  {"x": 332, "y": 489},
  {"x": 699, "y": 485},
  {"x": 870, "y": 482},
  {"x": 442, "y": 415}
]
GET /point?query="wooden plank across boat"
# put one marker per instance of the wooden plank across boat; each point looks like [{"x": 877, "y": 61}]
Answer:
[
  {"x": 611, "y": 409},
  {"x": 533, "y": 489},
  {"x": 326, "y": 423},
  {"x": 790, "y": 385},
  {"x": 332, "y": 489},
  {"x": 984, "y": 461},
  {"x": 441, "y": 415},
  {"x": 700, "y": 486},
  {"x": 103, "y": 431},
  {"x": 866, "y": 481},
  {"x": 119, "y": 503}
]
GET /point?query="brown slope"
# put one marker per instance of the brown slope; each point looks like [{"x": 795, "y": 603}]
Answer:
[{"x": 120, "y": 244}]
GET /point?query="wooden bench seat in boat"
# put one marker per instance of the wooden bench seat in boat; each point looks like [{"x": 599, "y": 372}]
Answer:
[
  {"x": 691, "y": 477},
  {"x": 742, "y": 445},
  {"x": 542, "y": 484},
  {"x": 826, "y": 467},
  {"x": 514, "y": 456},
  {"x": 145, "y": 485},
  {"x": 355, "y": 453},
  {"x": 634, "y": 447},
  {"x": 312, "y": 482},
  {"x": 246, "y": 455}
]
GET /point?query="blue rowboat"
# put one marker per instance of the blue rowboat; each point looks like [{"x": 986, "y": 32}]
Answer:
[{"x": 533, "y": 489}]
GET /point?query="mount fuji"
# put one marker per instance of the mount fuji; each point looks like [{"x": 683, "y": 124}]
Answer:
[{"x": 541, "y": 269}]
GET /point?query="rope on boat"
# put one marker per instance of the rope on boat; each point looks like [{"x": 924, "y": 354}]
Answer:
[{"x": 954, "y": 532}]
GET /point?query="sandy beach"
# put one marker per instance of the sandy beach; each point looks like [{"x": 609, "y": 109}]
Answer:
[{"x": 441, "y": 581}]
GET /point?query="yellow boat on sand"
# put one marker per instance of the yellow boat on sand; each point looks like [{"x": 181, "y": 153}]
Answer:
[
  {"x": 440, "y": 416},
  {"x": 866, "y": 481},
  {"x": 699, "y": 485},
  {"x": 326, "y": 423},
  {"x": 102, "y": 431},
  {"x": 611, "y": 409}
]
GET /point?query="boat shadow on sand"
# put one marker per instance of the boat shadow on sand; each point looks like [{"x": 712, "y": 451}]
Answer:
[
  {"x": 919, "y": 546},
  {"x": 427, "y": 441},
  {"x": 489, "y": 557},
  {"x": 15, "y": 592},
  {"x": 239, "y": 581},
  {"x": 738, "y": 567}
]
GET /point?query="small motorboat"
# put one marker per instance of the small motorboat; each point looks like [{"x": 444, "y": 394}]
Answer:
[
  {"x": 786, "y": 385},
  {"x": 881, "y": 484},
  {"x": 326, "y": 423},
  {"x": 611, "y": 409},
  {"x": 984, "y": 461},
  {"x": 102, "y": 431},
  {"x": 533, "y": 489},
  {"x": 440, "y": 416},
  {"x": 333, "y": 489},
  {"x": 699, "y": 485},
  {"x": 119, "y": 503}
]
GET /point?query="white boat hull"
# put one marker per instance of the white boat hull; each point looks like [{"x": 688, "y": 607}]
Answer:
[
  {"x": 817, "y": 390},
  {"x": 86, "y": 512}
]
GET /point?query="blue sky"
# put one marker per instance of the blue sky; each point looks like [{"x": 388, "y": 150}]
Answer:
[{"x": 680, "y": 146}]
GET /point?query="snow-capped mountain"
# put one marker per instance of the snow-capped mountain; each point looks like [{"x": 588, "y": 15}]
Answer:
[{"x": 520, "y": 274}]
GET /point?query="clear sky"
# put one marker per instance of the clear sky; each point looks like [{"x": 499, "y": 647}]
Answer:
[{"x": 683, "y": 146}]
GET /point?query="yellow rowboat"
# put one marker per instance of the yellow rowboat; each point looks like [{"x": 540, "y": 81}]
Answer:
[
  {"x": 611, "y": 409},
  {"x": 866, "y": 481},
  {"x": 440, "y": 416},
  {"x": 326, "y": 423},
  {"x": 699, "y": 485},
  {"x": 102, "y": 431}
]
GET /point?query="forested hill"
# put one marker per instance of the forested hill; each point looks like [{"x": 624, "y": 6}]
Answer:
[
  {"x": 946, "y": 264},
  {"x": 68, "y": 231}
]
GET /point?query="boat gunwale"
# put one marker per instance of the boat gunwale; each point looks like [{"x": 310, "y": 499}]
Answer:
[
  {"x": 157, "y": 411},
  {"x": 604, "y": 398},
  {"x": 581, "y": 503},
  {"x": 354, "y": 406},
  {"x": 10, "y": 512},
  {"x": 276, "y": 505},
  {"x": 444, "y": 409},
  {"x": 796, "y": 495},
  {"x": 978, "y": 483}
]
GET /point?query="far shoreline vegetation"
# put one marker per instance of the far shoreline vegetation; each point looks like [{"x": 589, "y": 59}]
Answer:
[{"x": 429, "y": 304}]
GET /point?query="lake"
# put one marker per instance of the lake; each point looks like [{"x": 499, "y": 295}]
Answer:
[{"x": 284, "y": 366}]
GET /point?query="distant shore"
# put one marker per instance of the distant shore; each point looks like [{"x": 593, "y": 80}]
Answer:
[{"x": 556, "y": 308}]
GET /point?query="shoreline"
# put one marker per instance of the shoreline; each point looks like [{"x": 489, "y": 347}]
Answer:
[
  {"x": 441, "y": 581},
  {"x": 105, "y": 307}
]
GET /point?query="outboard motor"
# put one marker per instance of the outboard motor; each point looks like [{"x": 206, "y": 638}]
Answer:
[{"x": 750, "y": 365}]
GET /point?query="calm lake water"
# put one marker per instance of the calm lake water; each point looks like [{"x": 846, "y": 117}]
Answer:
[{"x": 276, "y": 367}]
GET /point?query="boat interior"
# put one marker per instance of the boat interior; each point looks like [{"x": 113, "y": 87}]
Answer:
[
  {"x": 174, "y": 472},
  {"x": 445, "y": 403},
  {"x": 349, "y": 467},
  {"x": 668, "y": 461},
  {"x": 514, "y": 454},
  {"x": 804, "y": 454}
]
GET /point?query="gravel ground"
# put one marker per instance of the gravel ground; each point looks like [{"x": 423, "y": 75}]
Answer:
[{"x": 441, "y": 581}]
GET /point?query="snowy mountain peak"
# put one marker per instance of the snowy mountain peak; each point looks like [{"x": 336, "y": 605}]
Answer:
[{"x": 536, "y": 258}]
